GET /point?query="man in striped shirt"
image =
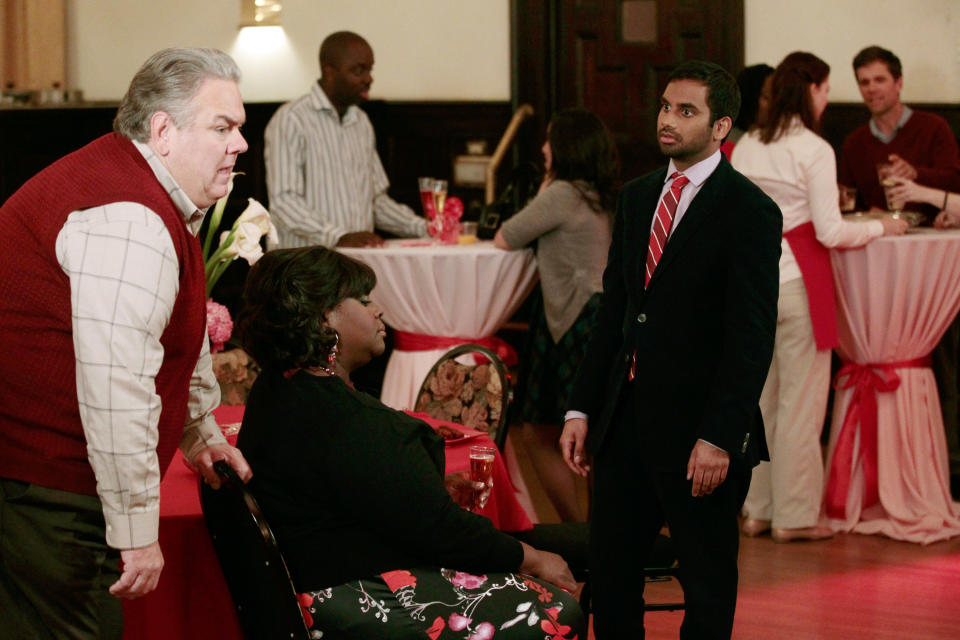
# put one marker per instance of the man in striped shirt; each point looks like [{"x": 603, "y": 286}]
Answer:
[{"x": 325, "y": 180}]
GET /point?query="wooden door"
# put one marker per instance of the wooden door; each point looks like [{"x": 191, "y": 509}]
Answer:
[{"x": 613, "y": 57}]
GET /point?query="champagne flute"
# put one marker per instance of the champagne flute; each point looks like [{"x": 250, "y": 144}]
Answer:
[
  {"x": 439, "y": 195},
  {"x": 426, "y": 197},
  {"x": 481, "y": 470}
]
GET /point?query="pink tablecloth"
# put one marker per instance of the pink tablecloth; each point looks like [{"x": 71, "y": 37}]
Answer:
[
  {"x": 896, "y": 297},
  {"x": 192, "y": 600}
]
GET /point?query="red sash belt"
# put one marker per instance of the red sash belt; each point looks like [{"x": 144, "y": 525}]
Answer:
[
  {"x": 862, "y": 413},
  {"x": 814, "y": 261},
  {"x": 405, "y": 341}
]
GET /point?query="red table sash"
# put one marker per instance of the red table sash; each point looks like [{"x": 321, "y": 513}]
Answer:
[
  {"x": 862, "y": 415},
  {"x": 406, "y": 341}
]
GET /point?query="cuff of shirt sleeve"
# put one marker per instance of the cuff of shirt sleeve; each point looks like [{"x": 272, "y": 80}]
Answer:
[
  {"x": 132, "y": 530},
  {"x": 570, "y": 415},
  {"x": 205, "y": 433}
]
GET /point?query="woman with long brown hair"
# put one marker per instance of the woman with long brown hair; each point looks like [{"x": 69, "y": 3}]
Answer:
[
  {"x": 786, "y": 157},
  {"x": 571, "y": 223}
]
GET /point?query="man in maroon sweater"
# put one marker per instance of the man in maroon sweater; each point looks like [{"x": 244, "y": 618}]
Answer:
[
  {"x": 921, "y": 145},
  {"x": 104, "y": 363}
]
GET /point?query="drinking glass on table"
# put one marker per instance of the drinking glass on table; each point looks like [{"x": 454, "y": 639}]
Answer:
[
  {"x": 426, "y": 197},
  {"x": 482, "y": 458},
  {"x": 468, "y": 233},
  {"x": 885, "y": 176},
  {"x": 848, "y": 198}
]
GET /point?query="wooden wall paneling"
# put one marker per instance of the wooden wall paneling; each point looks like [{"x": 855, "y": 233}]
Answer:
[{"x": 34, "y": 33}]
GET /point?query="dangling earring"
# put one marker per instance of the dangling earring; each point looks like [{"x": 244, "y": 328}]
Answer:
[{"x": 332, "y": 356}]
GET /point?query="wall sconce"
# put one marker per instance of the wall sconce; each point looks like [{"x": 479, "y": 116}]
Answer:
[{"x": 260, "y": 13}]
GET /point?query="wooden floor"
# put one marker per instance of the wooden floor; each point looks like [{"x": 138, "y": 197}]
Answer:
[{"x": 847, "y": 588}]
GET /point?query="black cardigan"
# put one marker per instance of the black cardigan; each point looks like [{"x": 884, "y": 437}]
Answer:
[{"x": 352, "y": 488}]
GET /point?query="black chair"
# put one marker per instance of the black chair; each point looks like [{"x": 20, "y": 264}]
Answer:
[
  {"x": 255, "y": 572},
  {"x": 468, "y": 390}
]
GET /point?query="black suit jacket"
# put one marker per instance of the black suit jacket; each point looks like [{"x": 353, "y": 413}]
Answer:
[{"x": 703, "y": 329}]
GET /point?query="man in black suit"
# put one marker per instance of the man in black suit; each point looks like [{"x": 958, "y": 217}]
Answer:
[{"x": 672, "y": 376}]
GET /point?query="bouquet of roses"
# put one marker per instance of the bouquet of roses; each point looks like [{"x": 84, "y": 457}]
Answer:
[{"x": 445, "y": 226}]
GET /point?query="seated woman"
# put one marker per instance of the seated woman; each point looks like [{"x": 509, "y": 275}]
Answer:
[{"x": 355, "y": 491}]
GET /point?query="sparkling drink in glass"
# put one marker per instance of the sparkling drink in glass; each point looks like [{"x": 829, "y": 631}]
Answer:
[
  {"x": 439, "y": 195},
  {"x": 426, "y": 197},
  {"x": 884, "y": 175},
  {"x": 481, "y": 470}
]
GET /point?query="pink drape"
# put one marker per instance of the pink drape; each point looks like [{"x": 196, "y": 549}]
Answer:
[{"x": 895, "y": 299}]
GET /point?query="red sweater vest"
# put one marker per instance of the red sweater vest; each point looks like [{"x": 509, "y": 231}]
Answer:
[{"x": 41, "y": 436}]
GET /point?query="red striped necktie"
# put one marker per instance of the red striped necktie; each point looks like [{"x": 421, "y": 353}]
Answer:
[{"x": 663, "y": 222}]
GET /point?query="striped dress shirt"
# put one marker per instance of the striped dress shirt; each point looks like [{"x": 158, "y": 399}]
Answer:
[
  {"x": 124, "y": 279},
  {"x": 324, "y": 176}
]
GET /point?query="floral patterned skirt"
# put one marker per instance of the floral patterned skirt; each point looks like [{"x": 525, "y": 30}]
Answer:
[{"x": 443, "y": 605}]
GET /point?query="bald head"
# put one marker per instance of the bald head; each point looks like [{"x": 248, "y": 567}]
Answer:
[
  {"x": 346, "y": 66},
  {"x": 336, "y": 45}
]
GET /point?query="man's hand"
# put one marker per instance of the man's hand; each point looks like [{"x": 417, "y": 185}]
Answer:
[
  {"x": 900, "y": 168},
  {"x": 205, "y": 458},
  {"x": 465, "y": 492},
  {"x": 571, "y": 445},
  {"x": 707, "y": 468},
  {"x": 141, "y": 571},
  {"x": 360, "y": 239}
]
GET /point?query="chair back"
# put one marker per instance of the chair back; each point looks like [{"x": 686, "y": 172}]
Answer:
[
  {"x": 468, "y": 390},
  {"x": 255, "y": 572}
]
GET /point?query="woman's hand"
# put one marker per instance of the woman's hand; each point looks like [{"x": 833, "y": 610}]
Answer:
[
  {"x": 547, "y": 566},
  {"x": 466, "y": 492},
  {"x": 905, "y": 190},
  {"x": 947, "y": 220}
]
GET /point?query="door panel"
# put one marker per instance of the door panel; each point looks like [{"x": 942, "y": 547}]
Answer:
[{"x": 613, "y": 57}]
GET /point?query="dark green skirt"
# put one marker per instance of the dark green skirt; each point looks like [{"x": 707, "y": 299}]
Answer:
[{"x": 548, "y": 368}]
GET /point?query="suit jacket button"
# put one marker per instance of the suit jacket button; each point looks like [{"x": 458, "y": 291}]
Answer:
[{"x": 642, "y": 318}]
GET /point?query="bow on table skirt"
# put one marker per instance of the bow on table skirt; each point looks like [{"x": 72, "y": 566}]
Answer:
[{"x": 861, "y": 418}]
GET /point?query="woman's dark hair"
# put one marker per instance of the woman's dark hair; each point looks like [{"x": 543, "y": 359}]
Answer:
[
  {"x": 750, "y": 81},
  {"x": 285, "y": 301},
  {"x": 583, "y": 150},
  {"x": 790, "y": 94}
]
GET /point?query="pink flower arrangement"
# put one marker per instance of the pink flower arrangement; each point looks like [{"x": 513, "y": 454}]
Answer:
[
  {"x": 446, "y": 226},
  {"x": 219, "y": 325},
  {"x": 241, "y": 241}
]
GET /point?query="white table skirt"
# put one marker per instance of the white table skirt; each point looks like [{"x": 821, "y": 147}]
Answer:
[{"x": 455, "y": 291}]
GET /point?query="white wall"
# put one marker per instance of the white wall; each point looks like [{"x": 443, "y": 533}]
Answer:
[
  {"x": 459, "y": 49},
  {"x": 424, "y": 49},
  {"x": 925, "y": 35}
]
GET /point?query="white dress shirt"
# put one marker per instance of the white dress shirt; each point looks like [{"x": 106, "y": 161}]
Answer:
[
  {"x": 798, "y": 171},
  {"x": 124, "y": 278},
  {"x": 324, "y": 176}
]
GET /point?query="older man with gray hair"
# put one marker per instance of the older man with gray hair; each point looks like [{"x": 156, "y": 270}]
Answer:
[{"x": 104, "y": 363}]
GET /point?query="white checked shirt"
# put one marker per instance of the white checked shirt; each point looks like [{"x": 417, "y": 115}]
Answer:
[
  {"x": 324, "y": 176},
  {"x": 124, "y": 279}
]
